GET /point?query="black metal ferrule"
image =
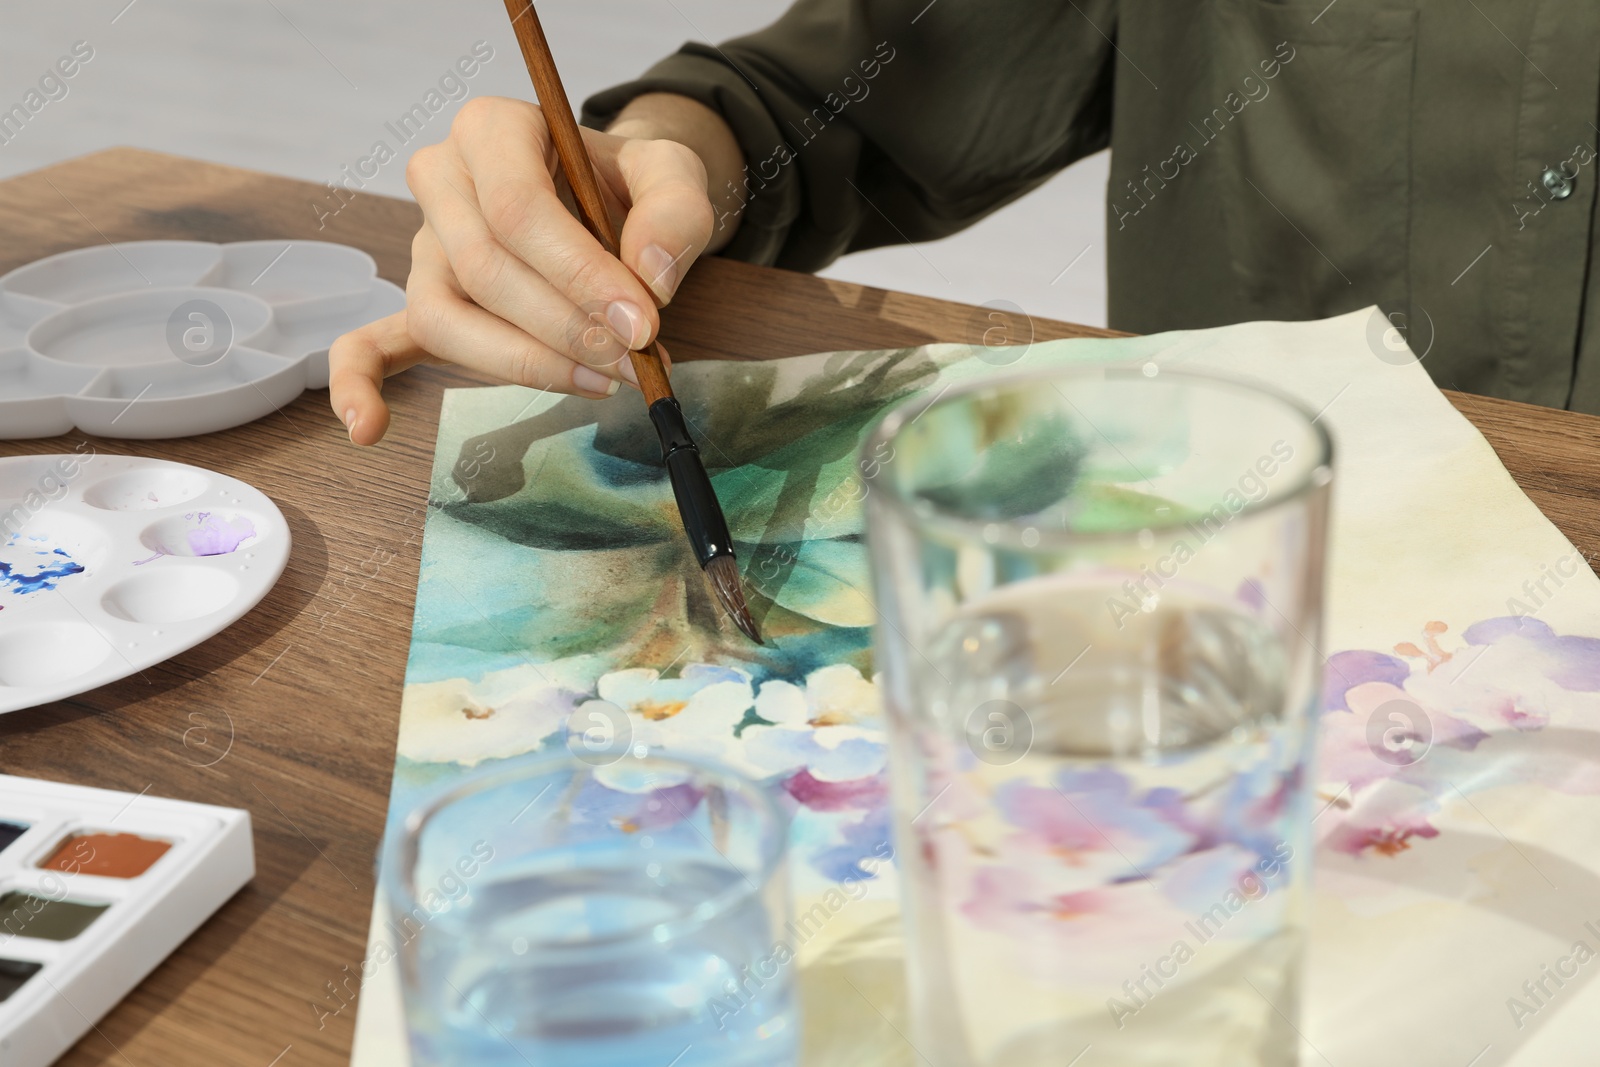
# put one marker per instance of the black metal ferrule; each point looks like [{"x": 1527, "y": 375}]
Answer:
[{"x": 691, "y": 485}]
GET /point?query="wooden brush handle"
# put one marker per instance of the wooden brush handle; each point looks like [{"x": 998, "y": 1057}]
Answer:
[
  {"x": 651, "y": 372},
  {"x": 563, "y": 127},
  {"x": 579, "y": 169}
]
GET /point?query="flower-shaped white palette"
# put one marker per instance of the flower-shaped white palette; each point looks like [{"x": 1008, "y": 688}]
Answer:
[
  {"x": 109, "y": 564},
  {"x": 172, "y": 338}
]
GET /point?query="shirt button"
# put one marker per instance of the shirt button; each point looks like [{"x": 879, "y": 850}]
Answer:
[{"x": 1557, "y": 184}]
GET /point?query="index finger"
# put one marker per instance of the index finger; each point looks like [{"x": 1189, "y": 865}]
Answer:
[
  {"x": 358, "y": 362},
  {"x": 505, "y": 152}
]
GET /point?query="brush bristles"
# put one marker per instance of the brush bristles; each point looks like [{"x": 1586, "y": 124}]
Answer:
[{"x": 724, "y": 574}]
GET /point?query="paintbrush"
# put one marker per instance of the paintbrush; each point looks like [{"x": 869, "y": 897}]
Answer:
[{"x": 697, "y": 501}]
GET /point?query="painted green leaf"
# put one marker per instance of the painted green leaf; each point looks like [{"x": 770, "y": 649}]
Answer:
[
  {"x": 826, "y": 581},
  {"x": 1103, "y": 508}
]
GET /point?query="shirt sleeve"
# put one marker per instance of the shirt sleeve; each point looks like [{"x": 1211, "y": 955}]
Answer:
[{"x": 875, "y": 122}]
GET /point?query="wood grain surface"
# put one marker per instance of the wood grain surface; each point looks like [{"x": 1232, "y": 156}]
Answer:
[{"x": 292, "y": 712}]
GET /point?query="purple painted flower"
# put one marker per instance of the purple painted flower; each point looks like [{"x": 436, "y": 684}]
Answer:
[
  {"x": 1347, "y": 669},
  {"x": 867, "y": 837},
  {"x": 637, "y": 796},
  {"x": 1449, "y": 702},
  {"x": 1571, "y": 662}
]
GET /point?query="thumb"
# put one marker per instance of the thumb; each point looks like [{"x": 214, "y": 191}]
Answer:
[{"x": 670, "y": 219}]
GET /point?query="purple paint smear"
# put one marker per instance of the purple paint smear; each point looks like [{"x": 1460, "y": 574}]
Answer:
[{"x": 214, "y": 535}]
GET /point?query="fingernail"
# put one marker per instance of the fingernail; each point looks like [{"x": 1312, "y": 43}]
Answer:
[
  {"x": 628, "y": 322},
  {"x": 350, "y": 423},
  {"x": 628, "y": 372},
  {"x": 660, "y": 269},
  {"x": 592, "y": 381}
]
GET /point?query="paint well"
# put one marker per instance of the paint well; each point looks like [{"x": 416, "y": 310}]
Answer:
[
  {"x": 175, "y": 594},
  {"x": 142, "y": 490},
  {"x": 200, "y": 533},
  {"x": 25, "y": 915},
  {"x": 14, "y": 974},
  {"x": 9, "y": 832},
  {"x": 106, "y": 855},
  {"x": 50, "y": 652},
  {"x": 50, "y": 551}
]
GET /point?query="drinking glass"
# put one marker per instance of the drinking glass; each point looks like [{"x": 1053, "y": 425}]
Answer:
[
  {"x": 1100, "y": 595},
  {"x": 571, "y": 911}
]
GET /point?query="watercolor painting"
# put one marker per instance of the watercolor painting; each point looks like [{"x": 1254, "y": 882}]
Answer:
[
  {"x": 609, "y": 619},
  {"x": 556, "y": 595}
]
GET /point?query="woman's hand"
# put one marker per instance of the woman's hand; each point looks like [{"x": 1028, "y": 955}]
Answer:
[{"x": 506, "y": 280}]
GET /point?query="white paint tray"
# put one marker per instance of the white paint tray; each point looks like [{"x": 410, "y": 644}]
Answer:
[
  {"x": 110, "y": 564},
  {"x": 153, "y": 339}
]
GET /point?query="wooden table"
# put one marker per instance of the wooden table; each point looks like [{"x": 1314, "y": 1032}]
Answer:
[{"x": 303, "y": 694}]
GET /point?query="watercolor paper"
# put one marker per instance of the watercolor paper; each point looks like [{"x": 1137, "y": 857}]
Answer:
[{"x": 1459, "y": 850}]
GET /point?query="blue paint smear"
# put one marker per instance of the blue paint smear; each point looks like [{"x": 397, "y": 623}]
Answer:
[{"x": 14, "y": 578}]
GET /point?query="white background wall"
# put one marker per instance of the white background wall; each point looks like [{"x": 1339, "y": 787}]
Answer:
[{"x": 301, "y": 87}]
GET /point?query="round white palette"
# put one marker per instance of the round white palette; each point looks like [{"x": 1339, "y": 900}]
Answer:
[
  {"x": 172, "y": 338},
  {"x": 109, "y": 564}
]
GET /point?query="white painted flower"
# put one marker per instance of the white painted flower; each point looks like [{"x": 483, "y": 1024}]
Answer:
[
  {"x": 830, "y": 753},
  {"x": 783, "y": 704},
  {"x": 838, "y": 695},
  {"x": 821, "y": 724},
  {"x": 704, "y": 713},
  {"x": 447, "y": 722},
  {"x": 505, "y": 713},
  {"x": 692, "y": 713}
]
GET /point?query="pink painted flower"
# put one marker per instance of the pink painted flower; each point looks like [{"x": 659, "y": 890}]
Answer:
[
  {"x": 1095, "y": 936},
  {"x": 1383, "y": 820},
  {"x": 1091, "y": 817}
]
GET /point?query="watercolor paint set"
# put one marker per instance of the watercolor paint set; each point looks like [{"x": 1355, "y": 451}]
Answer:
[
  {"x": 97, "y": 888},
  {"x": 110, "y": 564}
]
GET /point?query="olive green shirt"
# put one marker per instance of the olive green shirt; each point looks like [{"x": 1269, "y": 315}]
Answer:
[{"x": 1271, "y": 159}]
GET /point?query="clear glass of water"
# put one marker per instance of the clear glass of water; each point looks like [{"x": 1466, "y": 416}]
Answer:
[
  {"x": 1100, "y": 597},
  {"x": 573, "y": 911}
]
